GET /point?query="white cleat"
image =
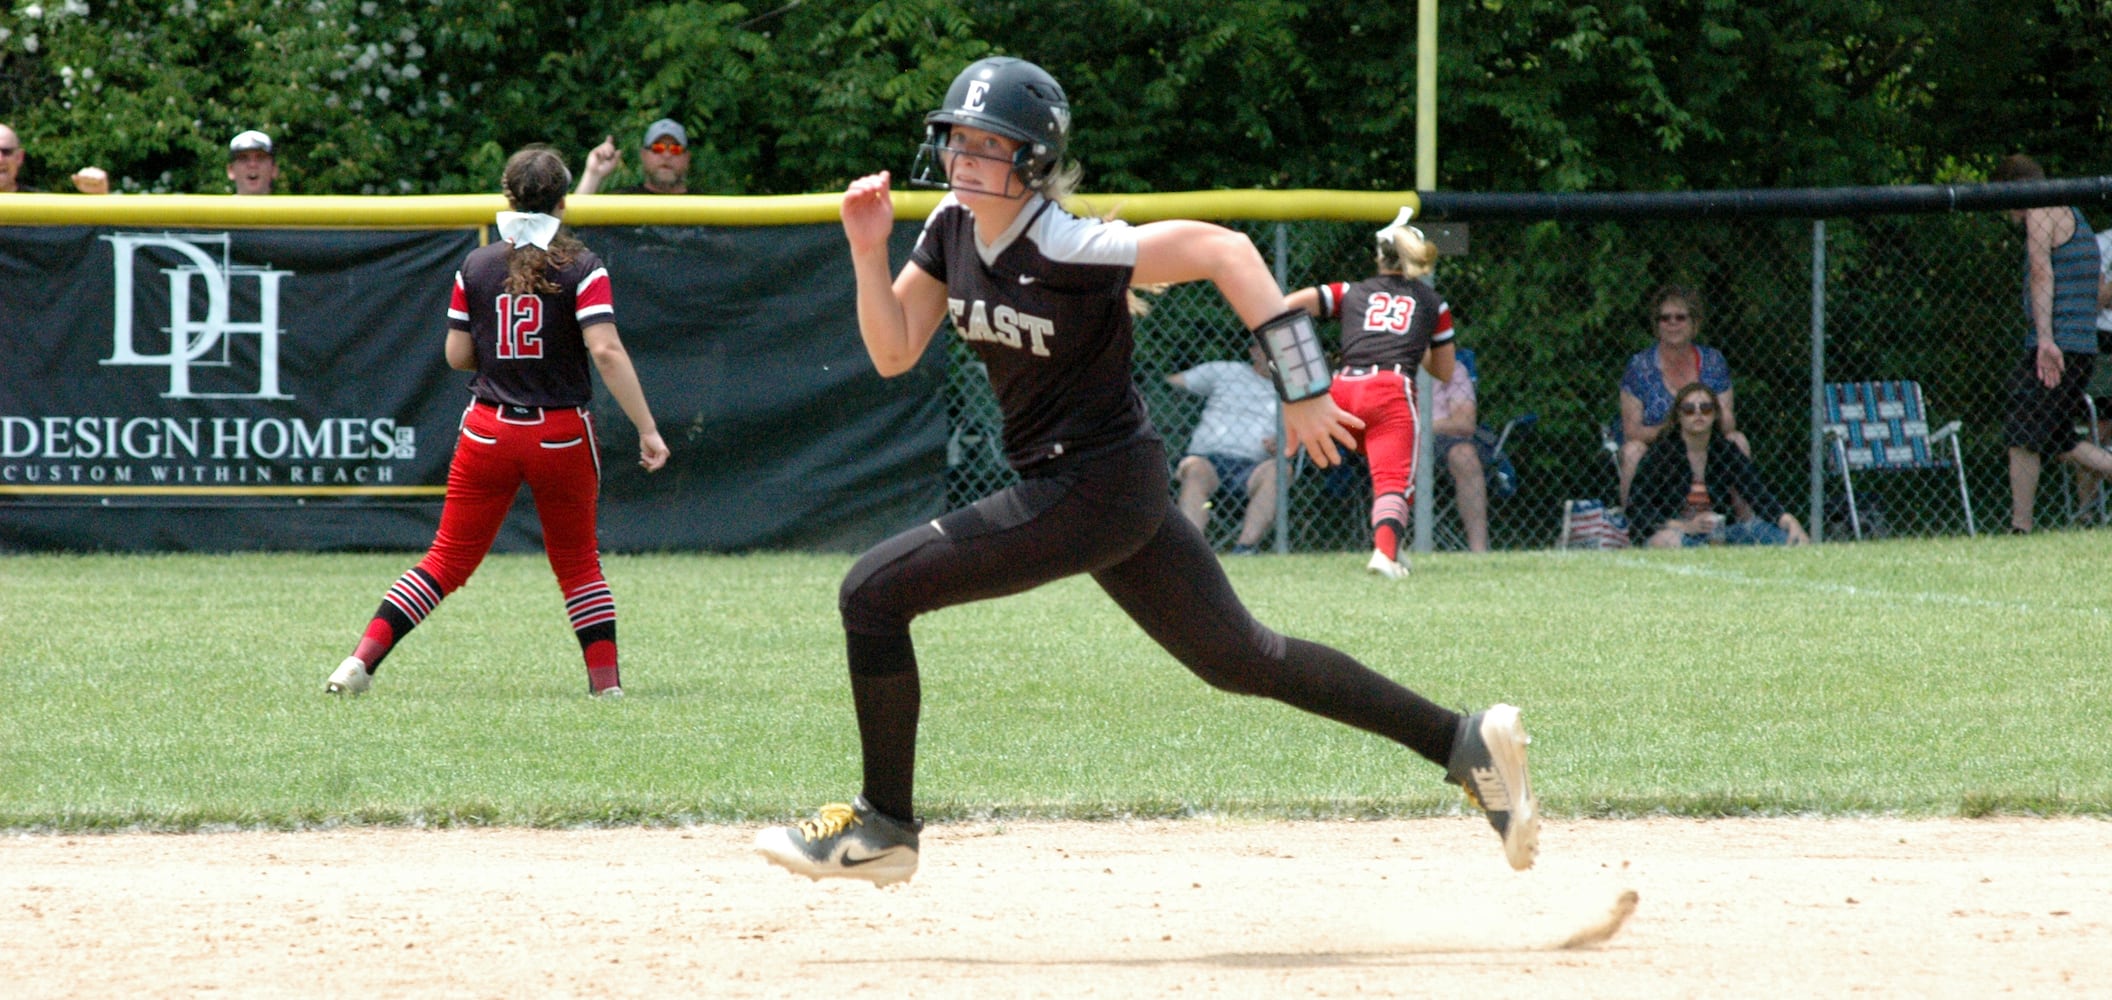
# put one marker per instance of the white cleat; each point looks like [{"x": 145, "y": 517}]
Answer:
[
  {"x": 350, "y": 677},
  {"x": 845, "y": 841},
  {"x": 1389, "y": 568},
  {"x": 1488, "y": 762}
]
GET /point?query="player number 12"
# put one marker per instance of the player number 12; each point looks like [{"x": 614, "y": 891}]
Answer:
[{"x": 520, "y": 326}]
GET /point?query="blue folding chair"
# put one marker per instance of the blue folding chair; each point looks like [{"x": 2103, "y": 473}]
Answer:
[{"x": 1884, "y": 427}]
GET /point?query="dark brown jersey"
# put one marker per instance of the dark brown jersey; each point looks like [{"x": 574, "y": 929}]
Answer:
[
  {"x": 1046, "y": 309},
  {"x": 1387, "y": 319},
  {"x": 530, "y": 349}
]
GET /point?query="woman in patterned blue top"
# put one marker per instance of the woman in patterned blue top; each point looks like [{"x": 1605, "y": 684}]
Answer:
[{"x": 1655, "y": 373}]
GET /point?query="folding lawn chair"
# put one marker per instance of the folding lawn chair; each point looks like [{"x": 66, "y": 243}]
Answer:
[{"x": 1884, "y": 427}]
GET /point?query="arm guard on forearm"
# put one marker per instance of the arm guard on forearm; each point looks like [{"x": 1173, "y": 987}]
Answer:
[{"x": 1292, "y": 345}]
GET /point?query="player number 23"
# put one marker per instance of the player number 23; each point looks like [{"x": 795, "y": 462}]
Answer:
[
  {"x": 520, "y": 326},
  {"x": 1389, "y": 312}
]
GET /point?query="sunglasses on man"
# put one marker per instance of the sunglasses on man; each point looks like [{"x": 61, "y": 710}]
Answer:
[{"x": 667, "y": 148}]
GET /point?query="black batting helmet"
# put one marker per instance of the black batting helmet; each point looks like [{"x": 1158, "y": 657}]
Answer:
[{"x": 1013, "y": 98}]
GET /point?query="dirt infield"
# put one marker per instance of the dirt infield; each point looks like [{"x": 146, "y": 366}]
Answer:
[{"x": 1763, "y": 907}]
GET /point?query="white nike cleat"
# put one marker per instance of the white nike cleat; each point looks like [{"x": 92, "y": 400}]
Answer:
[
  {"x": 1488, "y": 762},
  {"x": 845, "y": 841},
  {"x": 1386, "y": 566},
  {"x": 350, "y": 677}
]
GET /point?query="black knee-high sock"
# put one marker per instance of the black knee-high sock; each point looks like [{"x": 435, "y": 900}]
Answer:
[
  {"x": 1330, "y": 683},
  {"x": 885, "y": 689}
]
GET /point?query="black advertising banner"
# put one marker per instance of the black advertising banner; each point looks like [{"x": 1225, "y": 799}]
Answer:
[
  {"x": 171, "y": 389},
  {"x": 286, "y": 389},
  {"x": 783, "y": 436}
]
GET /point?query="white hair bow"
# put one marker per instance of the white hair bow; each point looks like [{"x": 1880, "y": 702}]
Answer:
[
  {"x": 532, "y": 228},
  {"x": 1399, "y": 222}
]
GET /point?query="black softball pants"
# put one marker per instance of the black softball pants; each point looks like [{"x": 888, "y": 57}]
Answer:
[{"x": 1111, "y": 515}]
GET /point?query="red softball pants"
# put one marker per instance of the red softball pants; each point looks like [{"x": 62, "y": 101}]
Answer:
[
  {"x": 1385, "y": 400},
  {"x": 552, "y": 450}
]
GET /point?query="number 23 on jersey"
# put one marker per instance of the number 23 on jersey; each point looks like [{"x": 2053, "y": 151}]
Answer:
[{"x": 1389, "y": 313}]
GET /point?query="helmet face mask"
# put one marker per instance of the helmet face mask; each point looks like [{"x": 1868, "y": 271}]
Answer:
[
  {"x": 946, "y": 146},
  {"x": 1012, "y": 98}
]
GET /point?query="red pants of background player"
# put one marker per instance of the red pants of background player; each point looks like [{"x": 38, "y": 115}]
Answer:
[
  {"x": 500, "y": 448},
  {"x": 1384, "y": 398}
]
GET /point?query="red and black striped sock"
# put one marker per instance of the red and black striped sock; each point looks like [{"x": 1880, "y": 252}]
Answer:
[
  {"x": 413, "y": 597},
  {"x": 592, "y": 609},
  {"x": 1389, "y": 521}
]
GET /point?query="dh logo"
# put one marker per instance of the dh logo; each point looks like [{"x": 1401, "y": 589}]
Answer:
[{"x": 206, "y": 342}]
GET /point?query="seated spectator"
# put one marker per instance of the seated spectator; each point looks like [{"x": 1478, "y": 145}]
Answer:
[
  {"x": 1691, "y": 472},
  {"x": 87, "y": 180},
  {"x": 1654, "y": 372},
  {"x": 251, "y": 164},
  {"x": 1454, "y": 423},
  {"x": 664, "y": 156},
  {"x": 1233, "y": 446}
]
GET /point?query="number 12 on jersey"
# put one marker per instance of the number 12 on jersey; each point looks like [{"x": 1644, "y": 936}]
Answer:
[{"x": 520, "y": 326}]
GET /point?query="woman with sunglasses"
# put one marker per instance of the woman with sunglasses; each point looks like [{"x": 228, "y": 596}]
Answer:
[
  {"x": 1654, "y": 372},
  {"x": 1392, "y": 322},
  {"x": 1691, "y": 473},
  {"x": 1041, "y": 297}
]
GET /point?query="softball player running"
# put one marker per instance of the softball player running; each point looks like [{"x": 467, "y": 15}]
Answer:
[
  {"x": 1391, "y": 322},
  {"x": 528, "y": 312},
  {"x": 1040, "y": 296}
]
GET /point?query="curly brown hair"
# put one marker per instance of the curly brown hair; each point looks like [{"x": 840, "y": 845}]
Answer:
[{"x": 536, "y": 180}]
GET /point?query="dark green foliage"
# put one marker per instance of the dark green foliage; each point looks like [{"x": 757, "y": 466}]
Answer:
[{"x": 1170, "y": 95}]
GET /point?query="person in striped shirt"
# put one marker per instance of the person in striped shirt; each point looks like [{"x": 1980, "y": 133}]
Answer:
[{"x": 2060, "y": 345}]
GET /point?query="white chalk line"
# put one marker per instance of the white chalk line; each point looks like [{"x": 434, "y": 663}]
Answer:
[{"x": 1852, "y": 590}]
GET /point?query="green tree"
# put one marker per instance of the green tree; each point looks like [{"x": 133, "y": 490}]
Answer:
[{"x": 1535, "y": 95}]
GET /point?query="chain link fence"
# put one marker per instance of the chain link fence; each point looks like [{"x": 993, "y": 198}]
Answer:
[{"x": 1553, "y": 309}]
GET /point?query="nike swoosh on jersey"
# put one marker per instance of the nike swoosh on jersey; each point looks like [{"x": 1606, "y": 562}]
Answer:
[{"x": 1026, "y": 279}]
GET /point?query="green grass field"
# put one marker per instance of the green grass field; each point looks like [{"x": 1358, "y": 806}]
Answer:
[{"x": 1951, "y": 677}]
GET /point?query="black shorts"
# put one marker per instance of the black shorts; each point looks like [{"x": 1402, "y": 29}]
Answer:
[{"x": 2042, "y": 419}]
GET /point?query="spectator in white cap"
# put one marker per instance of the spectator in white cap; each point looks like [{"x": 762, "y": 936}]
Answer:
[
  {"x": 664, "y": 157},
  {"x": 250, "y": 163}
]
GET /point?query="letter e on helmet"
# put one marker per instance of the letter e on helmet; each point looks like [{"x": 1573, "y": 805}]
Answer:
[{"x": 1013, "y": 98}]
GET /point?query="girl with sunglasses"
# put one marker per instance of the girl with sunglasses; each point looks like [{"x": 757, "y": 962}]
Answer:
[
  {"x": 1653, "y": 373},
  {"x": 1691, "y": 473}
]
